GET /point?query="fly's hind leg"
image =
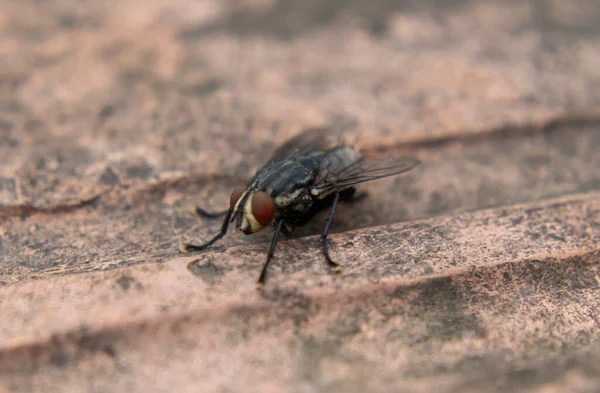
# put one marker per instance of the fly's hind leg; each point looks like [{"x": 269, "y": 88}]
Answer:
[{"x": 334, "y": 266}]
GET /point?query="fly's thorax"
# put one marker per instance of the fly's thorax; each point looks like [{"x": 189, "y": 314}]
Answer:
[
  {"x": 294, "y": 204},
  {"x": 282, "y": 179},
  {"x": 283, "y": 201}
]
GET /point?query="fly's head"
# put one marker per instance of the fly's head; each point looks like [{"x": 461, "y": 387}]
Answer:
[{"x": 252, "y": 209}]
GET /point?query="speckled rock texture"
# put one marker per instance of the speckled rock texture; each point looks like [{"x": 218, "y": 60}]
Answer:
[{"x": 479, "y": 271}]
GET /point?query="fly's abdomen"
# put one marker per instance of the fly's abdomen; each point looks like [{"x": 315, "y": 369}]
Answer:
[{"x": 341, "y": 158}]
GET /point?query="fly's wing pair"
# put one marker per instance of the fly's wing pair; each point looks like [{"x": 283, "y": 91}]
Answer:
[{"x": 362, "y": 170}]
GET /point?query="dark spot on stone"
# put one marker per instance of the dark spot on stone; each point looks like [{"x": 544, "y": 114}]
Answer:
[
  {"x": 142, "y": 171},
  {"x": 524, "y": 377},
  {"x": 378, "y": 27},
  {"x": 60, "y": 358},
  {"x": 402, "y": 292},
  {"x": 291, "y": 299},
  {"x": 441, "y": 303},
  {"x": 482, "y": 159},
  {"x": 443, "y": 232},
  {"x": 6, "y": 125},
  {"x": 33, "y": 126},
  {"x": 8, "y": 183},
  {"x": 41, "y": 164},
  {"x": 437, "y": 203},
  {"x": 517, "y": 221},
  {"x": 110, "y": 350},
  {"x": 38, "y": 245},
  {"x": 563, "y": 141},
  {"x": 345, "y": 327},
  {"x": 536, "y": 161},
  {"x": 395, "y": 335},
  {"x": 109, "y": 177},
  {"x": 379, "y": 149},
  {"x": 67, "y": 21},
  {"x": 88, "y": 342},
  {"x": 533, "y": 210},
  {"x": 489, "y": 193},
  {"x": 457, "y": 325},
  {"x": 106, "y": 111},
  {"x": 313, "y": 351},
  {"x": 207, "y": 271},
  {"x": 207, "y": 87},
  {"x": 125, "y": 282},
  {"x": 556, "y": 237},
  {"x": 181, "y": 223},
  {"x": 474, "y": 365},
  {"x": 248, "y": 124}
]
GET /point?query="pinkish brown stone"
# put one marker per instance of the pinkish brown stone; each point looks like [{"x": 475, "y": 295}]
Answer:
[{"x": 478, "y": 271}]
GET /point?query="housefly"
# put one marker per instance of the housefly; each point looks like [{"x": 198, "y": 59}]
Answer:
[{"x": 305, "y": 176}]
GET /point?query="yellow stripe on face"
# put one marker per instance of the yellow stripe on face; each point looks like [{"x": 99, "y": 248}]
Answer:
[{"x": 254, "y": 225}]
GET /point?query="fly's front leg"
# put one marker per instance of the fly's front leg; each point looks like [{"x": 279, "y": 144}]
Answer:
[
  {"x": 205, "y": 214},
  {"x": 260, "y": 284},
  {"x": 194, "y": 247},
  {"x": 335, "y": 267}
]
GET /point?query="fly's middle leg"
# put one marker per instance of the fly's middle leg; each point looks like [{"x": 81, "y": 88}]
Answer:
[
  {"x": 334, "y": 266},
  {"x": 260, "y": 284}
]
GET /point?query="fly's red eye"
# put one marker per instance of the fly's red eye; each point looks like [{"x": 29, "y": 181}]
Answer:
[
  {"x": 235, "y": 196},
  {"x": 263, "y": 208}
]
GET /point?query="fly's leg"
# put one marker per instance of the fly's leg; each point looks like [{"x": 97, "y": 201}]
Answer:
[
  {"x": 260, "y": 284},
  {"x": 205, "y": 214},
  {"x": 335, "y": 267},
  {"x": 222, "y": 232}
]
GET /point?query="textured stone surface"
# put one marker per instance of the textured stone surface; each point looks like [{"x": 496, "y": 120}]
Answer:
[{"x": 478, "y": 271}]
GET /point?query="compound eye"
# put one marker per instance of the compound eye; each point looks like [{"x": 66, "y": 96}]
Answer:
[
  {"x": 263, "y": 208},
  {"x": 235, "y": 196}
]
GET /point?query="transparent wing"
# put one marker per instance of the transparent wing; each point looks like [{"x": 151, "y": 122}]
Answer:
[
  {"x": 363, "y": 170},
  {"x": 309, "y": 140}
]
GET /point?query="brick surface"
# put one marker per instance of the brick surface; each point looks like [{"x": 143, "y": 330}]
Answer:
[{"x": 478, "y": 271}]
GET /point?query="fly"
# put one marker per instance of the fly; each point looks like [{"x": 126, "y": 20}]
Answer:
[{"x": 305, "y": 176}]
